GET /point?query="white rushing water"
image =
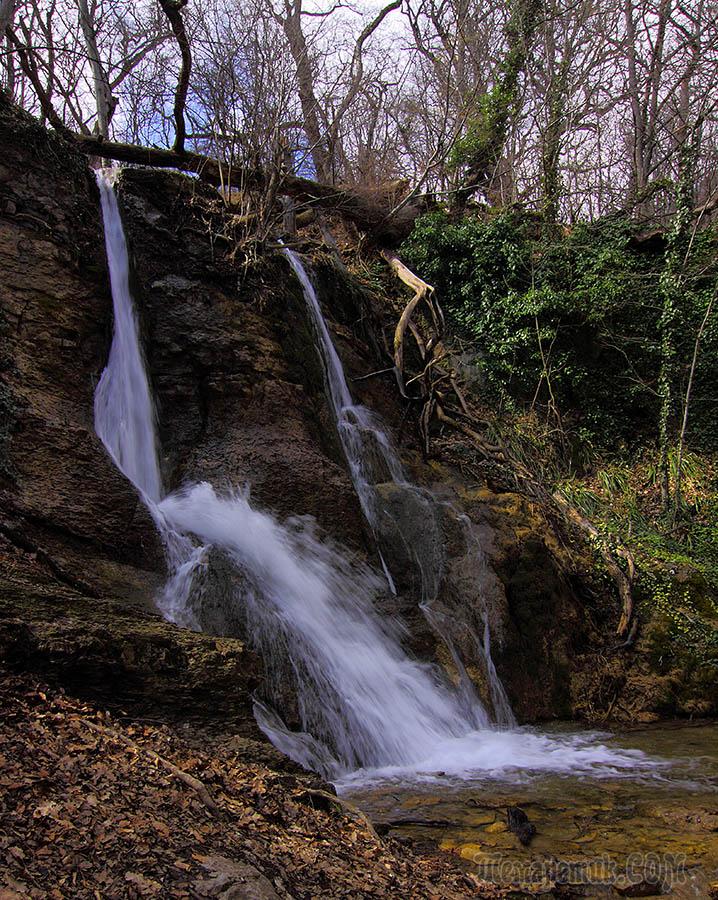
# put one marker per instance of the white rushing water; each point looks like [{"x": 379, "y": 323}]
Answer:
[
  {"x": 367, "y": 710},
  {"x": 365, "y": 443},
  {"x": 360, "y": 696},
  {"x": 124, "y": 413},
  {"x": 369, "y": 451}
]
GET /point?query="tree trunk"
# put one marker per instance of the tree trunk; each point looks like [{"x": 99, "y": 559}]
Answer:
[
  {"x": 292, "y": 25},
  {"x": 7, "y": 14},
  {"x": 172, "y": 9},
  {"x": 492, "y": 127},
  {"x": 104, "y": 100}
]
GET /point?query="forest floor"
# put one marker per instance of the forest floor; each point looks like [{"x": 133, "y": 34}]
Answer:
[{"x": 93, "y": 805}]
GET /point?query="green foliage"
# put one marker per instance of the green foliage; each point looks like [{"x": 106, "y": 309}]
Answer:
[
  {"x": 584, "y": 341},
  {"x": 685, "y": 629},
  {"x": 677, "y": 569},
  {"x": 580, "y": 496},
  {"x": 570, "y": 324},
  {"x": 485, "y": 130}
]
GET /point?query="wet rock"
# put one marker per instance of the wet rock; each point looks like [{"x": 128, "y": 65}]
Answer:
[
  {"x": 231, "y": 880},
  {"x": 410, "y": 539},
  {"x": 217, "y": 596},
  {"x": 518, "y": 823},
  {"x": 639, "y": 887},
  {"x": 103, "y": 650},
  {"x": 238, "y": 382},
  {"x": 61, "y": 496}
]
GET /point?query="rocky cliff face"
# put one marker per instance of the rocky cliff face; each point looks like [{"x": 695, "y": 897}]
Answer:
[
  {"x": 239, "y": 390},
  {"x": 240, "y": 400},
  {"x": 80, "y": 560},
  {"x": 61, "y": 498}
]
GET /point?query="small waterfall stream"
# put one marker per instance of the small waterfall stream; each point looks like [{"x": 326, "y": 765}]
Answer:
[
  {"x": 367, "y": 448},
  {"x": 124, "y": 412},
  {"x": 366, "y": 445},
  {"x": 366, "y": 708}
]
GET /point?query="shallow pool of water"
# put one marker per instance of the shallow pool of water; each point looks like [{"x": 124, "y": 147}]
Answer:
[{"x": 596, "y": 828}]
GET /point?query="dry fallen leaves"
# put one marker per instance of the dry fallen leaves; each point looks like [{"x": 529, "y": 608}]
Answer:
[{"x": 90, "y": 807}]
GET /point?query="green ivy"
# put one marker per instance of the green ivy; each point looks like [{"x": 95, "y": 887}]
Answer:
[{"x": 571, "y": 324}]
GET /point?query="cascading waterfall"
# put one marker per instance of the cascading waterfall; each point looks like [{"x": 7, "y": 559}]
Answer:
[
  {"x": 360, "y": 697},
  {"x": 125, "y": 414},
  {"x": 367, "y": 448},
  {"x": 363, "y": 704},
  {"x": 365, "y": 443}
]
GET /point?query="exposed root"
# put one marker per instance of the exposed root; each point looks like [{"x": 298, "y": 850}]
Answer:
[
  {"x": 422, "y": 291},
  {"x": 438, "y": 381}
]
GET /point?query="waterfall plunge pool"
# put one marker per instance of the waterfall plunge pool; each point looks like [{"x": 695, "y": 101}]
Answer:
[{"x": 600, "y": 829}]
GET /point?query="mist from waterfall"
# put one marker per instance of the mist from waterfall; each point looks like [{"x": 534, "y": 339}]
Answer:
[{"x": 366, "y": 709}]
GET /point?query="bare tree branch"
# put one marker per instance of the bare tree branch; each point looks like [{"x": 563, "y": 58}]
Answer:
[{"x": 173, "y": 10}]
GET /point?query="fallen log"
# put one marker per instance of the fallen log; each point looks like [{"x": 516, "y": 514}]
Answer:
[{"x": 367, "y": 211}]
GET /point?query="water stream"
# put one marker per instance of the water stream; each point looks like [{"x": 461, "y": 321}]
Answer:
[
  {"x": 124, "y": 411},
  {"x": 372, "y": 459},
  {"x": 368, "y": 711},
  {"x": 367, "y": 448},
  {"x": 591, "y": 833}
]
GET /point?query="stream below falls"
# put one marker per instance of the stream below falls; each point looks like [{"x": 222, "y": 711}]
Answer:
[{"x": 602, "y": 834}]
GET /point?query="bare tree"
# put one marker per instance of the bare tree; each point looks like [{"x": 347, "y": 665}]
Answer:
[
  {"x": 173, "y": 10},
  {"x": 104, "y": 100}
]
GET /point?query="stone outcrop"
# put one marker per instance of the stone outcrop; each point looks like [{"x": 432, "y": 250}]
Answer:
[
  {"x": 239, "y": 390},
  {"x": 124, "y": 658}
]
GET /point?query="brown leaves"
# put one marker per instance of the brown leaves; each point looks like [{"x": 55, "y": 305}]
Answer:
[{"x": 91, "y": 808}]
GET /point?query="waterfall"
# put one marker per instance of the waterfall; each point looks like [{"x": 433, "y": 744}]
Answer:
[
  {"x": 367, "y": 449},
  {"x": 503, "y": 713},
  {"x": 365, "y": 443},
  {"x": 362, "y": 700},
  {"x": 124, "y": 412},
  {"x": 309, "y": 607},
  {"x": 363, "y": 704}
]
